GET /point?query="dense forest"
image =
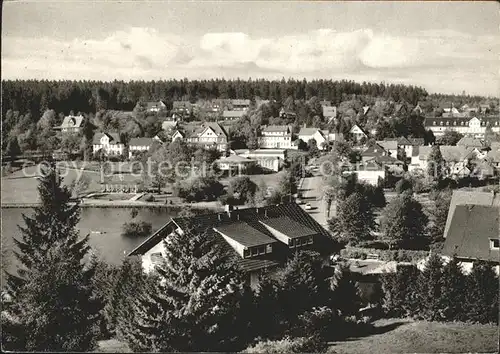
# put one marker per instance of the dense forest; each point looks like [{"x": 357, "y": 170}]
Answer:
[{"x": 36, "y": 96}]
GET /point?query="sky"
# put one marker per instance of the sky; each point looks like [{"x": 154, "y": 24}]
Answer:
[{"x": 442, "y": 46}]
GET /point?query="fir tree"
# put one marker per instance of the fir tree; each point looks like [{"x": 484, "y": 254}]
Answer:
[
  {"x": 197, "y": 303},
  {"x": 429, "y": 285},
  {"x": 435, "y": 164},
  {"x": 53, "y": 221},
  {"x": 345, "y": 297},
  {"x": 482, "y": 294},
  {"x": 453, "y": 291},
  {"x": 54, "y": 302},
  {"x": 400, "y": 293}
]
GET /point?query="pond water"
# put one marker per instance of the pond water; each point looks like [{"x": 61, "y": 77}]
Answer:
[{"x": 109, "y": 244}]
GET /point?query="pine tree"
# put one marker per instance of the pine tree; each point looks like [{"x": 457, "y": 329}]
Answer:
[
  {"x": 128, "y": 282},
  {"x": 453, "y": 291},
  {"x": 430, "y": 284},
  {"x": 199, "y": 301},
  {"x": 53, "y": 221},
  {"x": 435, "y": 164},
  {"x": 345, "y": 297},
  {"x": 482, "y": 294},
  {"x": 54, "y": 302}
]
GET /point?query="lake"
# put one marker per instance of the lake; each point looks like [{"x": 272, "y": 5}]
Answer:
[{"x": 109, "y": 246}]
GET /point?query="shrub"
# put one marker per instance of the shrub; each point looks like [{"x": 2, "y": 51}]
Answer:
[
  {"x": 289, "y": 345},
  {"x": 385, "y": 255},
  {"x": 149, "y": 198},
  {"x": 318, "y": 322},
  {"x": 137, "y": 229}
]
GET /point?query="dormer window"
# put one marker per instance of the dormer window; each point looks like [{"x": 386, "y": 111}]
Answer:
[{"x": 494, "y": 243}]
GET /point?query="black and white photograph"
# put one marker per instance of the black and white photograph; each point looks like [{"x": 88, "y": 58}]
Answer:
[{"x": 250, "y": 176}]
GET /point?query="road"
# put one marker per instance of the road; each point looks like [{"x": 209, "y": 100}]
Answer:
[{"x": 312, "y": 192}]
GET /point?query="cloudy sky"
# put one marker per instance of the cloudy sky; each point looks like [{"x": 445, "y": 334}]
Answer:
[{"x": 442, "y": 46}]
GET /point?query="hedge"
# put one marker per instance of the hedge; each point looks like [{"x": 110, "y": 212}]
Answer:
[{"x": 384, "y": 255}]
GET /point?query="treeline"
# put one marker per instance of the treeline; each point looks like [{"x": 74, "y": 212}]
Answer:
[
  {"x": 36, "y": 96},
  {"x": 442, "y": 292}
]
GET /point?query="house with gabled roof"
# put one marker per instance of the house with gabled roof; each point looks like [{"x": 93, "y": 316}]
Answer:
[
  {"x": 276, "y": 137},
  {"x": 389, "y": 145},
  {"x": 357, "y": 132},
  {"x": 71, "y": 124},
  {"x": 473, "y": 234},
  {"x": 240, "y": 104},
  {"x": 259, "y": 239},
  {"x": 475, "y": 127},
  {"x": 372, "y": 151},
  {"x": 207, "y": 135},
  {"x": 139, "y": 145},
  {"x": 322, "y": 137},
  {"x": 155, "y": 106},
  {"x": 229, "y": 115},
  {"x": 108, "y": 143},
  {"x": 470, "y": 142},
  {"x": 329, "y": 112}
]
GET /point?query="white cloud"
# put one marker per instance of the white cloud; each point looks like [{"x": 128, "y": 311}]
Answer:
[{"x": 431, "y": 58}]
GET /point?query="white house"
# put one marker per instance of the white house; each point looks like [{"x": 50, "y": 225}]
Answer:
[
  {"x": 329, "y": 113},
  {"x": 370, "y": 172},
  {"x": 109, "y": 143},
  {"x": 71, "y": 124},
  {"x": 138, "y": 145},
  {"x": 155, "y": 106},
  {"x": 208, "y": 135},
  {"x": 276, "y": 137},
  {"x": 235, "y": 163},
  {"x": 320, "y": 136},
  {"x": 357, "y": 132},
  {"x": 270, "y": 159}
]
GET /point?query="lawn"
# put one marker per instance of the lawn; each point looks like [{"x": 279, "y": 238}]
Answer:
[{"x": 407, "y": 336}]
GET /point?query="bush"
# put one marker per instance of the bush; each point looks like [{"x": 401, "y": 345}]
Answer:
[
  {"x": 289, "y": 345},
  {"x": 137, "y": 229},
  {"x": 318, "y": 322},
  {"x": 149, "y": 198},
  {"x": 384, "y": 255}
]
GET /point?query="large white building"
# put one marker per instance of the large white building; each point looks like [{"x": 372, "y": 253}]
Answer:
[
  {"x": 109, "y": 143},
  {"x": 474, "y": 126},
  {"x": 276, "y": 137},
  {"x": 207, "y": 135}
]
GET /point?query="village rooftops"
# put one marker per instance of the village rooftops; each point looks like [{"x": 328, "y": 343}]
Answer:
[
  {"x": 449, "y": 153},
  {"x": 474, "y": 233},
  {"x": 310, "y": 131},
  {"x": 233, "y": 114},
  {"x": 470, "y": 142}
]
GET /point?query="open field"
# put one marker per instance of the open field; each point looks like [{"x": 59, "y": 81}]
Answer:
[{"x": 407, "y": 336}]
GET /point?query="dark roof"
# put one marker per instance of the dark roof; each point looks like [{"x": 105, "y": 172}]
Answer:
[
  {"x": 244, "y": 234},
  {"x": 472, "y": 227},
  {"x": 374, "y": 150},
  {"x": 461, "y": 197},
  {"x": 113, "y": 138},
  {"x": 288, "y": 227},
  {"x": 140, "y": 142},
  {"x": 206, "y": 223},
  {"x": 416, "y": 141}
]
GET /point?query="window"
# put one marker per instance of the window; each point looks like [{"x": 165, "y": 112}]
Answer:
[
  {"x": 262, "y": 250},
  {"x": 441, "y": 123},
  {"x": 310, "y": 240},
  {"x": 494, "y": 243},
  {"x": 448, "y": 123},
  {"x": 269, "y": 248},
  {"x": 156, "y": 258},
  {"x": 246, "y": 253},
  {"x": 434, "y": 123},
  {"x": 255, "y": 251}
]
